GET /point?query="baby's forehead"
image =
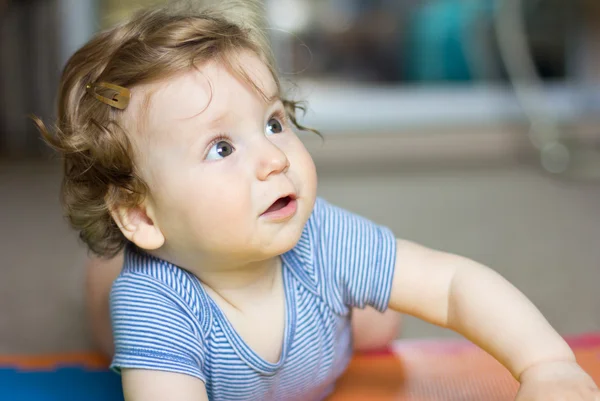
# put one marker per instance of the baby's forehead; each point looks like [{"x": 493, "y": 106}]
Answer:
[
  {"x": 181, "y": 96},
  {"x": 193, "y": 92}
]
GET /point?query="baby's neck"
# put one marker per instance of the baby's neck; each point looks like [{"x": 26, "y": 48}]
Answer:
[
  {"x": 232, "y": 280},
  {"x": 237, "y": 286}
]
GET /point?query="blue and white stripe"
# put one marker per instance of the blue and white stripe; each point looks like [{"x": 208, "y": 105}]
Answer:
[{"x": 164, "y": 320}]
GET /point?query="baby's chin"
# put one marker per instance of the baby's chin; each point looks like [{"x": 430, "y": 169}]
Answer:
[
  {"x": 283, "y": 243},
  {"x": 266, "y": 247},
  {"x": 251, "y": 246}
]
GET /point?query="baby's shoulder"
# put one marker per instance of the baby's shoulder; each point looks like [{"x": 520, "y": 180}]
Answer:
[
  {"x": 308, "y": 260},
  {"x": 142, "y": 267},
  {"x": 327, "y": 217},
  {"x": 161, "y": 281},
  {"x": 317, "y": 221}
]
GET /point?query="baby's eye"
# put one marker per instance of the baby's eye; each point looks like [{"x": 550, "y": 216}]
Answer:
[
  {"x": 220, "y": 150},
  {"x": 274, "y": 126}
]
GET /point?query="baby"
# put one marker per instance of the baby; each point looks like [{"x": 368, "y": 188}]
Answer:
[{"x": 238, "y": 282}]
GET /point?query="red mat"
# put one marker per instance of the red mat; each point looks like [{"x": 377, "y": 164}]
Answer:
[{"x": 444, "y": 371}]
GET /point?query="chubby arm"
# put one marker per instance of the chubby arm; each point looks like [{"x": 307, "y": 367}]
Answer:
[
  {"x": 473, "y": 300},
  {"x": 153, "y": 385}
]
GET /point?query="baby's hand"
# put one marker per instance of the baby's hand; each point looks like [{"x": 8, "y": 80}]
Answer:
[{"x": 557, "y": 381}]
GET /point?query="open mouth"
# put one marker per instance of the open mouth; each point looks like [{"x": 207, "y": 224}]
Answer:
[{"x": 279, "y": 204}]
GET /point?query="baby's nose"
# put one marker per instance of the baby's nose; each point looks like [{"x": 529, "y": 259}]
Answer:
[{"x": 272, "y": 160}]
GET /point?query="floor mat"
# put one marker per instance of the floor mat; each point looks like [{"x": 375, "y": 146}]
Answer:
[
  {"x": 409, "y": 371},
  {"x": 443, "y": 371}
]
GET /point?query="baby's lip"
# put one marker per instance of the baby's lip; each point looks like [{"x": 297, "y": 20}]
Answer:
[{"x": 290, "y": 195}]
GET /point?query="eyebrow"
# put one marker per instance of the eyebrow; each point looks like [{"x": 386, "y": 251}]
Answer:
[{"x": 273, "y": 98}]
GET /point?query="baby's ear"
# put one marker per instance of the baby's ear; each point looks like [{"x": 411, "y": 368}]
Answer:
[{"x": 138, "y": 226}]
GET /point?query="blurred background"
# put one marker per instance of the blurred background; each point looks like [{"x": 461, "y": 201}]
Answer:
[{"x": 470, "y": 126}]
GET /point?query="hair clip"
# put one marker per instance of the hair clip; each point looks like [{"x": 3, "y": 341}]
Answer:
[{"x": 118, "y": 95}]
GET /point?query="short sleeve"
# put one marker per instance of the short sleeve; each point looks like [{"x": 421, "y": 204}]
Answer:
[
  {"x": 357, "y": 256},
  {"x": 153, "y": 329}
]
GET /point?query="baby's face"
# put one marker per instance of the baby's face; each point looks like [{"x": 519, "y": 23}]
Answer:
[{"x": 229, "y": 180}]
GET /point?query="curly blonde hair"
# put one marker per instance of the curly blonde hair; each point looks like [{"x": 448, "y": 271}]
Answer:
[{"x": 99, "y": 169}]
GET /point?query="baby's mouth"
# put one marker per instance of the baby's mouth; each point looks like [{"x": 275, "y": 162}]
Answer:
[{"x": 279, "y": 204}]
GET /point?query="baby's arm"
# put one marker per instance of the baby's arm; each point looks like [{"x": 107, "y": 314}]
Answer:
[
  {"x": 462, "y": 295},
  {"x": 150, "y": 385}
]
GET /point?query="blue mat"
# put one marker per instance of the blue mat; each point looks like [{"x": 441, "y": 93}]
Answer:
[{"x": 63, "y": 384}]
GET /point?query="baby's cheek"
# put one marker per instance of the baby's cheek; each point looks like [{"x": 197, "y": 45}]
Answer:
[
  {"x": 307, "y": 169},
  {"x": 218, "y": 209},
  {"x": 222, "y": 227},
  {"x": 296, "y": 152}
]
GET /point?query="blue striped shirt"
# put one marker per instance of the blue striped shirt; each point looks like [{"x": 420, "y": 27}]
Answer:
[{"x": 163, "y": 319}]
